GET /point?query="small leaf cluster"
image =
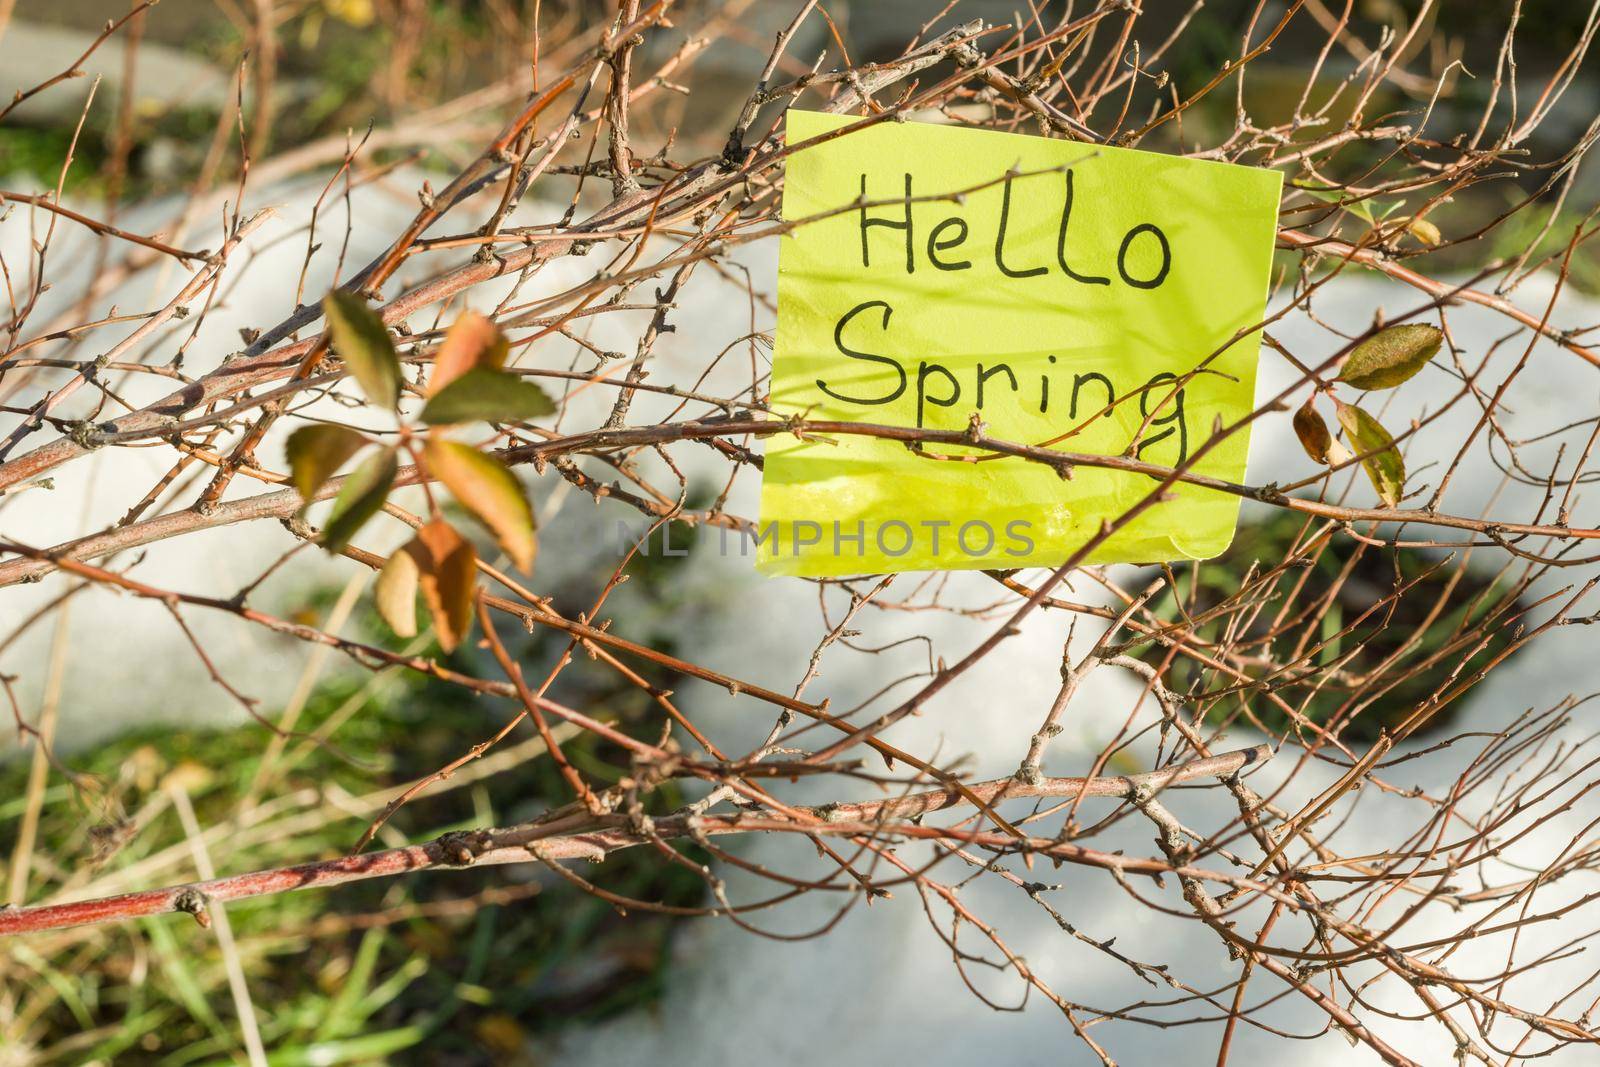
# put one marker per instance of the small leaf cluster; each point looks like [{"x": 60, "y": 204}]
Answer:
[
  {"x": 1383, "y": 361},
  {"x": 468, "y": 384},
  {"x": 1382, "y": 215}
]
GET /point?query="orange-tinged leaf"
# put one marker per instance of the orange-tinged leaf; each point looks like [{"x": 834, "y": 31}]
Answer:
[
  {"x": 1384, "y": 466},
  {"x": 485, "y": 487},
  {"x": 396, "y": 593},
  {"x": 447, "y": 574},
  {"x": 1313, "y": 432},
  {"x": 472, "y": 341},
  {"x": 315, "y": 452}
]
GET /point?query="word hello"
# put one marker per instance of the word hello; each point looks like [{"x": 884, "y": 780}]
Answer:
[{"x": 947, "y": 239}]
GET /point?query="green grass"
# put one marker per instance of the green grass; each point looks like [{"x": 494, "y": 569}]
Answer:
[{"x": 362, "y": 973}]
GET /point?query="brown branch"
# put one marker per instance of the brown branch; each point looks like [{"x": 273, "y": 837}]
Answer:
[
  {"x": 518, "y": 845},
  {"x": 283, "y": 503},
  {"x": 1370, "y": 257},
  {"x": 103, "y": 228}
]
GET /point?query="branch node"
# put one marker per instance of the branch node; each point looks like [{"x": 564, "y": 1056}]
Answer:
[{"x": 192, "y": 901}]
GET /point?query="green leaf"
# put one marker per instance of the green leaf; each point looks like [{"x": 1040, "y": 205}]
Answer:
[
  {"x": 1424, "y": 231},
  {"x": 360, "y": 339},
  {"x": 1391, "y": 357},
  {"x": 314, "y": 452},
  {"x": 396, "y": 594},
  {"x": 363, "y": 493},
  {"x": 491, "y": 492},
  {"x": 472, "y": 341},
  {"x": 1313, "y": 432},
  {"x": 447, "y": 570},
  {"x": 1384, "y": 466},
  {"x": 483, "y": 395},
  {"x": 1361, "y": 207}
]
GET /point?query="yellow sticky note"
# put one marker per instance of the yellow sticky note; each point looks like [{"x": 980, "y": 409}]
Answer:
[{"x": 1087, "y": 302}]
